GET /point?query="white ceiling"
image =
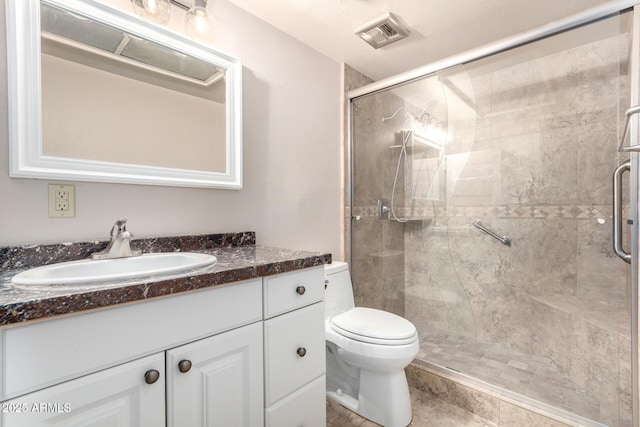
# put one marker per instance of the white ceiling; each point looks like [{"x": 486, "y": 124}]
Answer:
[{"x": 439, "y": 28}]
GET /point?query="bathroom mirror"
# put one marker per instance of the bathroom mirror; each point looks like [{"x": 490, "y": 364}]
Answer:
[{"x": 97, "y": 94}]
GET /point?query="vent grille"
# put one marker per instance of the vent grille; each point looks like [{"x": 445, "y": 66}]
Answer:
[
  {"x": 388, "y": 30},
  {"x": 383, "y": 31}
]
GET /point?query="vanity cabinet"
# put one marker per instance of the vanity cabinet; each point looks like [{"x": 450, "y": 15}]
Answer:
[
  {"x": 216, "y": 381},
  {"x": 246, "y": 354},
  {"x": 96, "y": 362}
]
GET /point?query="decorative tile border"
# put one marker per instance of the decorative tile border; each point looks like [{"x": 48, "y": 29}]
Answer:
[{"x": 502, "y": 211}]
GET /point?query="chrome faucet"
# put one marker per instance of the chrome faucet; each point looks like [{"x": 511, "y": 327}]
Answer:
[{"x": 118, "y": 246}]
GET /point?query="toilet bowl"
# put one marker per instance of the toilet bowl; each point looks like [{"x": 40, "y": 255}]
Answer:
[{"x": 367, "y": 351}]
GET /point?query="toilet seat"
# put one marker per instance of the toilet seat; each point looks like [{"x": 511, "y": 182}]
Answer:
[{"x": 374, "y": 326}]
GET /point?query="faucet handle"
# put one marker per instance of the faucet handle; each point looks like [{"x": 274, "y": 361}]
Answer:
[
  {"x": 118, "y": 246},
  {"x": 119, "y": 227}
]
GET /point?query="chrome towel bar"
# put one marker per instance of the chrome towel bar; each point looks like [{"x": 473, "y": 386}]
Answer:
[{"x": 503, "y": 239}]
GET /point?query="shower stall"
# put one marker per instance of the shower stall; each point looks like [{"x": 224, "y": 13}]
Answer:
[{"x": 481, "y": 209}]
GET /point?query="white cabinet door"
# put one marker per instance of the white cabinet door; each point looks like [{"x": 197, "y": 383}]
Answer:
[
  {"x": 223, "y": 385},
  {"x": 115, "y": 397}
]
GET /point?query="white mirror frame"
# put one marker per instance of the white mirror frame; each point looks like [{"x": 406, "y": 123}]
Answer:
[{"x": 26, "y": 156}]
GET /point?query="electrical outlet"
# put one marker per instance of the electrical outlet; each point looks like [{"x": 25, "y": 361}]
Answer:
[{"x": 62, "y": 201}]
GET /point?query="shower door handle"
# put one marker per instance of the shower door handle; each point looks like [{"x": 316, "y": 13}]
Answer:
[
  {"x": 633, "y": 148},
  {"x": 617, "y": 211}
]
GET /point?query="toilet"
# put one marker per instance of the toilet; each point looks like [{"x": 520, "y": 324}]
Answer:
[{"x": 367, "y": 351}]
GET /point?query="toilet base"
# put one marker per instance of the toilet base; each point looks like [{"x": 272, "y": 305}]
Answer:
[{"x": 382, "y": 398}]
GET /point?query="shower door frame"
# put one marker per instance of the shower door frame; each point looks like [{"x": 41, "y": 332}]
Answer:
[
  {"x": 634, "y": 189},
  {"x": 588, "y": 16}
]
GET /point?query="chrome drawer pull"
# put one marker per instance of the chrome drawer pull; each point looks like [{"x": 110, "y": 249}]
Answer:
[
  {"x": 301, "y": 351},
  {"x": 300, "y": 290}
]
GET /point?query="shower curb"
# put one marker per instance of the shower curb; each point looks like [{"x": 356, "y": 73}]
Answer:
[{"x": 500, "y": 406}]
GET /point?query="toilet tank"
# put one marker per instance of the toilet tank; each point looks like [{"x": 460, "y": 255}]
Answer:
[{"x": 338, "y": 295}]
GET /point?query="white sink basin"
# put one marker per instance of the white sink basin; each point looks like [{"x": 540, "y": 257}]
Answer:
[{"x": 115, "y": 269}]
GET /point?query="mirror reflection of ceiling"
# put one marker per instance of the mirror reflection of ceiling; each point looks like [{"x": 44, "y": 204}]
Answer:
[{"x": 91, "y": 43}]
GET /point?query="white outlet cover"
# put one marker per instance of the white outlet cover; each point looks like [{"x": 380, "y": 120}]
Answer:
[{"x": 69, "y": 210}]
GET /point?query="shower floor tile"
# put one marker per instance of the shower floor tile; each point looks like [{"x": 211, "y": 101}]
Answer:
[{"x": 530, "y": 376}]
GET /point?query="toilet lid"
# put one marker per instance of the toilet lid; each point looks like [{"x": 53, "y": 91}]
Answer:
[{"x": 374, "y": 326}]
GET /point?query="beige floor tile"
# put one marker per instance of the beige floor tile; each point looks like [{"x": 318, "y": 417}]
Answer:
[{"x": 427, "y": 412}]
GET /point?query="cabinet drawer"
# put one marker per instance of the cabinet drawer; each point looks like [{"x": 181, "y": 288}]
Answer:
[
  {"x": 307, "y": 407},
  {"x": 285, "y": 369},
  {"x": 39, "y": 355},
  {"x": 284, "y": 292}
]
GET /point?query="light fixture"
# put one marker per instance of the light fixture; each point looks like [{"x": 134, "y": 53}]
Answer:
[
  {"x": 158, "y": 11},
  {"x": 196, "y": 22}
]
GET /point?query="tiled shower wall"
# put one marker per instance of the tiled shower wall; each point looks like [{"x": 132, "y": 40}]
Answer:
[{"x": 534, "y": 164}]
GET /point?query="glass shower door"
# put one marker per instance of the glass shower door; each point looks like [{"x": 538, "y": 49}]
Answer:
[{"x": 499, "y": 245}]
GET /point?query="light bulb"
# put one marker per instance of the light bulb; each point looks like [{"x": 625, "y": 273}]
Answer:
[
  {"x": 158, "y": 11},
  {"x": 196, "y": 22}
]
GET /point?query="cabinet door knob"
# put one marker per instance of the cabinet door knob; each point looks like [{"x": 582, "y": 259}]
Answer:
[
  {"x": 184, "y": 366},
  {"x": 301, "y": 351},
  {"x": 301, "y": 290},
  {"x": 151, "y": 376}
]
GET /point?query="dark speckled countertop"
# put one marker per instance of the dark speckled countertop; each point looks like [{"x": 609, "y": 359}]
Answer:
[{"x": 239, "y": 258}]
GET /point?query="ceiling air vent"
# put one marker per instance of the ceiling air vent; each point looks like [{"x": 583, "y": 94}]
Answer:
[{"x": 382, "y": 31}]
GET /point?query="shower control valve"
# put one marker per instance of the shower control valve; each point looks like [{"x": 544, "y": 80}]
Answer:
[{"x": 383, "y": 208}]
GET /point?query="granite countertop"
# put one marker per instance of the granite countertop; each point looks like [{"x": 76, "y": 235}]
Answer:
[{"x": 239, "y": 258}]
